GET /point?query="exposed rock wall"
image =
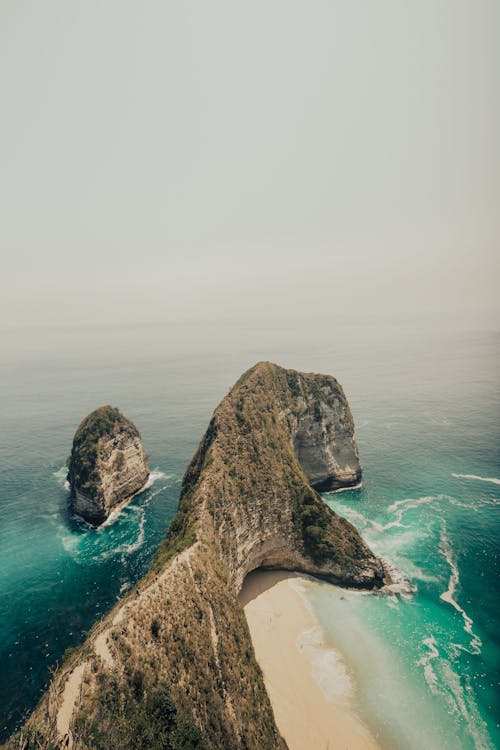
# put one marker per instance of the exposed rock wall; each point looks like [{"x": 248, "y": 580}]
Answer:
[
  {"x": 323, "y": 437},
  {"x": 108, "y": 464},
  {"x": 180, "y": 641}
]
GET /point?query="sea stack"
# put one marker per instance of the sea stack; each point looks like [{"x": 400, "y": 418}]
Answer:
[{"x": 108, "y": 464}]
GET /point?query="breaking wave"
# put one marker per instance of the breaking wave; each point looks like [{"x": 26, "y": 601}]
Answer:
[
  {"x": 124, "y": 531},
  {"x": 492, "y": 480},
  {"x": 328, "y": 666},
  {"x": 426, "y": 662},
  {"x": 449, "y": 595},
  {"x": 345, "y": 489},
  {"x": 60, "y": 476},
  {"x": 154, "y": 476},
  {"x": 444, "y": 681}
]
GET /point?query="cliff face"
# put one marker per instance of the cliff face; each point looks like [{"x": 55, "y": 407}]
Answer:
[
  {"x": 256, "y": 466},
  {"x": 173, "y": 665},
  {"x": 323, "y": 433},
  {"x": 108, "y": 464}
]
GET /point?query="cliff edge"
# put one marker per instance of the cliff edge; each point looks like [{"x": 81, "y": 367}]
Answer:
[
  {"x": 107, "y": 466},
  {"x": 172, "y": 666}
]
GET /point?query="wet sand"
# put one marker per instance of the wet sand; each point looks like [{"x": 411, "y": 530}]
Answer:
[{"x": 307, "y": 680}]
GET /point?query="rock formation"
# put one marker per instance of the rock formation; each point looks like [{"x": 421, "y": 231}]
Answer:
[
  {"x": 172, "y": 666},
  {"x": 108, "y": 464}
]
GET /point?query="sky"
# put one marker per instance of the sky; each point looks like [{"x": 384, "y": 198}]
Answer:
[{"x": 231, "y": 160}]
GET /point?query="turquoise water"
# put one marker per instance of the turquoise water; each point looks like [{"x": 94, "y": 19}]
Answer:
[{"x": 426, "y": 405}]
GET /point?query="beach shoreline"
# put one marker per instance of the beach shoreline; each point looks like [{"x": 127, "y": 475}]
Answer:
[{"x": 308, "y": 682}]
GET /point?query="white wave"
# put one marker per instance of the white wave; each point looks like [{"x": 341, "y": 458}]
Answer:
[
  {"x": 112, "y": 518},
  {"x": 60, "y": 476},
  {"x": 392, "y": 602},
  {"x": 449, "y": 595},
  {"x": 328, "y": 667},
  {"x": 492, "y": 480},
  {"x": 398, "y": 508},
  {"x": 353, "y": 515},
  {"x": 70, "y": 542},
  {"x": 345, "y": 489},
  {"x": 153, "y": 494},
  {"x": 401, "y": 506},
  {"x": 425, "y": 662},
  {"x": 443, "y": 680},
  {"x": 400, "y": 586},
  {"x": 463, "y": 703},
  {"x": 460, "y": 701},
  {"x": 77, "y": 544},
  {"x": 414, "y": 571},
  {"x": 154, "y": 476},
  {"x": 467, "y": 506},
  {"x": 128, "y": 548}
]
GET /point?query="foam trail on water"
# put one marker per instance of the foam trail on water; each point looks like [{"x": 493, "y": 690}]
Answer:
[
  {"x": 443, "y": 680},
  {"x": 462, "y": 701},
  {"x": 156, "y": 492},
  {"x": 398, "y": 508},
  {"x": 345, "y": 489},
  {"x": 113, "y": 516},
  {"x": 140, "y": 538},
  {"x": 354, "y": 515},
  {"x": 425, "y": 662},
  {"x": 492, "y": 480},
  {"x": 328, "y": 667},
  {"x": 154, "y": 476},
  {"x": 449, "y": 595},
  {"x": 127, "y": 548}
]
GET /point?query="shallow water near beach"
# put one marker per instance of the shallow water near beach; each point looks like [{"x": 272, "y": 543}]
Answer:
[{"x": 422, "y": 666}]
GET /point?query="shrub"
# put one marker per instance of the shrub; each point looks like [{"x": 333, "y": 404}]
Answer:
[{"x": 155, "y": 627}]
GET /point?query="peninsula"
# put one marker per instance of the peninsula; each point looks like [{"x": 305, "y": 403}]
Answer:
[
  {"x": 172, "y": 665},
  {"x": 107, "y": 466}
]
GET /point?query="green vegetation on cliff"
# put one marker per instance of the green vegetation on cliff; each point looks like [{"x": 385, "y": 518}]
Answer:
[
  {"x": 129, "y": 717},
  {"x": 82, "y": 461},
  {"x": 249, "y": 453}
]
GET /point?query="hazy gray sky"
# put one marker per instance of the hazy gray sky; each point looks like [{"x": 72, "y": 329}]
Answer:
[{"x": 226, "y": 158}]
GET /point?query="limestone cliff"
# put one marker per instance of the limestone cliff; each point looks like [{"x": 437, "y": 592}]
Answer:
[
  {"x": 108, "y": 464},
  {"x": 173, "y": 666}
]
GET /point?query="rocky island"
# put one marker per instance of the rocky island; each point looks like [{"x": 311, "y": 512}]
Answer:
[
  {"x": 172, "y": 665},
  {"x": 107, "y": 466}
]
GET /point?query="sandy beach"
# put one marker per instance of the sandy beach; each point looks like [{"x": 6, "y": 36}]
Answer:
[{"x": 307, "y": 681}]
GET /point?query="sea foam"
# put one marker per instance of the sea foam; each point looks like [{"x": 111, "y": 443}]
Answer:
[
  {"x": 60, "y": 476},
  {"x": 449, "y": 595},
  {"x": 492, "y": 480},
  {"x": 443, "y": 680},
  {"x": 328, "y": 667}
]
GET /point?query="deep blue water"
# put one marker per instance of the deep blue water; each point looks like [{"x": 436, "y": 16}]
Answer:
[{"x": 426, "y": 404}]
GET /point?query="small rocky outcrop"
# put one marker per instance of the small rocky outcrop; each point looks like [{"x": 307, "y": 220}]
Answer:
[{"x": 108, "y": 464}]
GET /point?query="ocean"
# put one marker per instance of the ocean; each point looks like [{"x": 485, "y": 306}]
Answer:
[{"x": 424, "y": 394}]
